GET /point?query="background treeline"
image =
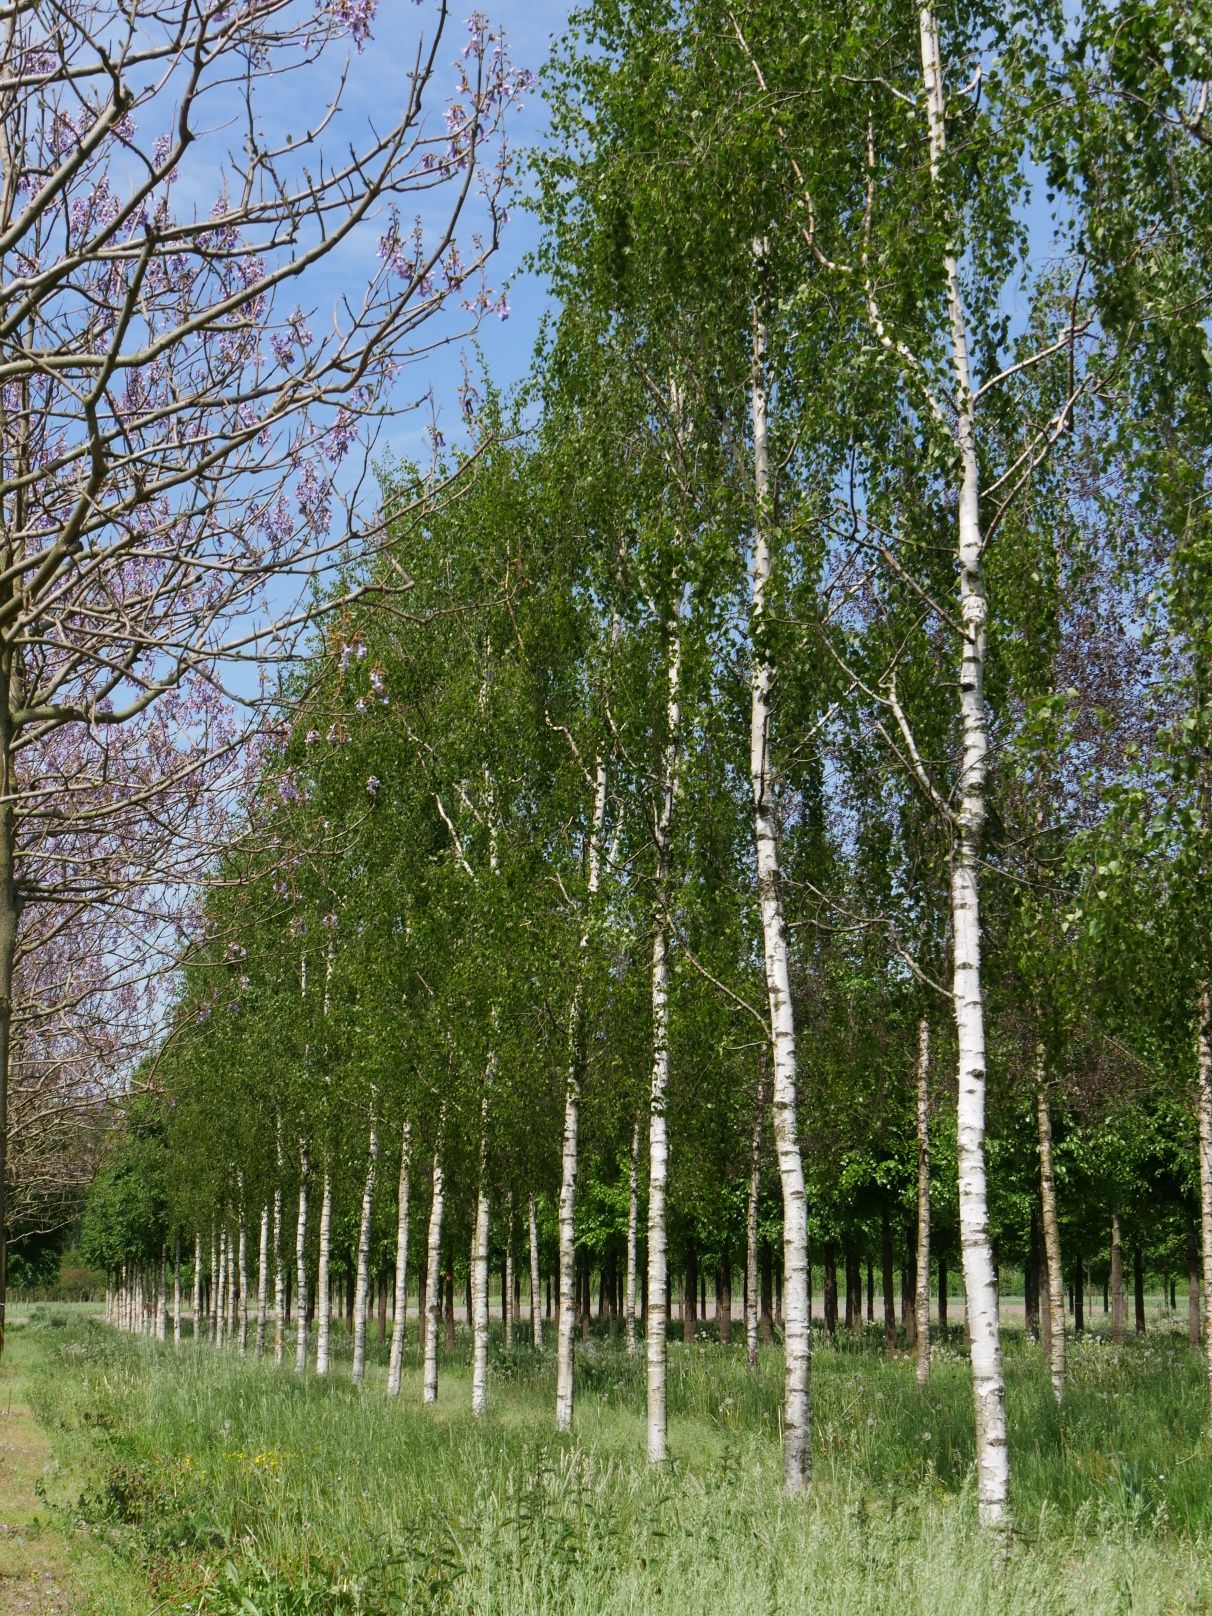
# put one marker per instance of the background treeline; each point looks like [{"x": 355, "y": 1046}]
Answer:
[{"x": 832, "y": 604}]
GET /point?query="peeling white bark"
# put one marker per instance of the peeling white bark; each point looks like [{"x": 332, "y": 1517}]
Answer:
[
  {"x": 797, "y": 1335},
  {"x": 633, "y": 1225},
  {"x": 567, "y": 1323},
  {"x": 658, "y": 1132},
  {"x": 323, "y": 1297},
  {"x": 400, "y": 1310},
  {"x": 362, "y": 1288},
  {"x": 507, "y": 1299},
  {"x": 1053, "y": 1276},
  {"x": 197, "y": 1287},
  {"x": 220, "y": 1293},
  {"x": 753, "y": 1283},
  {"x": 241, "y": 1301},
  {"x": 278, "y": 1274},
  {"x": 263, "y": 1282},
  {"x": 301, "y": 1263},
  {"x": 176, "y": 1291},
  {"x": 479, "y": 1277},
  {"x": 433, "y": 1323},
  {"x": 923, "y": 1201},
  {"x": 980, "y": 1276},
  {"x": 536, "y": 1300}
]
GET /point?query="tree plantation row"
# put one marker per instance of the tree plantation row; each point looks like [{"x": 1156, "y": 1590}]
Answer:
[{"x": 756, "y": 807}]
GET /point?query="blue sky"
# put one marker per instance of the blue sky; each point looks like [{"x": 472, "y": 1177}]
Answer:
[{"x": 507, "y": 345}]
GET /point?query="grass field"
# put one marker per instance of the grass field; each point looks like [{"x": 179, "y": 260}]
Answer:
[{"x": 234, "y": 1488}]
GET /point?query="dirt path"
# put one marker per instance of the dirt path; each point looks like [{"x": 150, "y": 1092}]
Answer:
[
  {"x": 33, "y": 1554},
  {"x": 45, "y": 1570}
]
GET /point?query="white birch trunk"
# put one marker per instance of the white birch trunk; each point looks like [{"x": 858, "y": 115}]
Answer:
[
  {"x": 220, "y": 1292},
  {"x": 633, "y": 1230},
  {"x": 362, "y": 1289},
  {"x": 263, "y": 1282},
  {"x": 980, "y": 1275},
  {"x": 433, "y": 1281},
  {"x": 1204, "y": 1104},
  {"x": 923, "y": 1201},
  {"x": 279, "y": 1275},
  {"x": 479, "y": 1278},
  {"x": 162, "y": 1298},
  {"x": 242, "y": 1299},
  {"x": 323, "y": 1298},
  {"x": 797, "y": 1407},
  {"x": 507, "y": 1299},
  {"x": 753, "y": 1283},
  {"x": 233, "y": 1299},
  {"x": 197, "y": 1288},
  {"x": 177, "y": 1291},
  {"x": 658, "y": 1133},
  {"x": 536, "y": 1300},
  {"x": 1054, "y": 1342},
  {"x": 400, "y": 1307},
  {"x": 214, "y": 1289},
  {"x": 301, "y": 1263},
  {"x": 567, "y": 1322}
]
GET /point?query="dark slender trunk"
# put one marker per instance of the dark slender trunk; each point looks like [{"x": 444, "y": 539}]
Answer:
[
  {"x": 383, "y": 1307},
  {"x": 830, "y": 1283},
  {"x": 909, "y": 1290},
  {"x": 586, "y": 1286},
  {"x": 9, "y": 916},
  {"x": 1079, "y": 1296},
  {"x": 854, "y": 1292},
  {"x": 723, "y": 1305},
  {"x": 1138, "y": 1287},
  {"x": 870, "y": 1292},
  {"x": 1116, "y": 1282},
  {"x": 766, "y": 1322},
  {"x": 691, "y": 1292},
  {"x": 888, "y": 1278},
  {"x": 422, "y": 1310},
  {"x": 1031, "y": 1279},
  {"x": 549, "y": 1296},
  {"x": 450, "y": 1324},
  {"x": 942, "y": 1297}
]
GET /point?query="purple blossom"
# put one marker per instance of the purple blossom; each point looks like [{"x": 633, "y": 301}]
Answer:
[
  {"x": 330, "y": 920},
  {"x": 373, "y": 783},
  {"x": 355, "y": 17}
]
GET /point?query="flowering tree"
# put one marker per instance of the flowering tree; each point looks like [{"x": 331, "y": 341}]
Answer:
[{"x": 183, "y": 437}]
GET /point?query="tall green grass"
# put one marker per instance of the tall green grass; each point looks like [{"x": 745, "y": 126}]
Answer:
[{"x": 246, "y": 1490}]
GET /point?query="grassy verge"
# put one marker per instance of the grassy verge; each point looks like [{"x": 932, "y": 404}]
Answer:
[
  {"x": 50, "y": 1563},
  {"x": 239, "y": 1489}
]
